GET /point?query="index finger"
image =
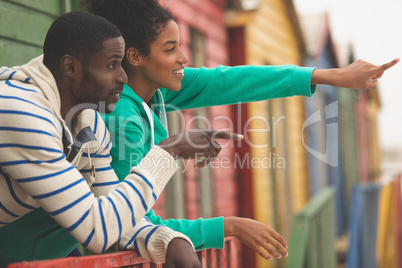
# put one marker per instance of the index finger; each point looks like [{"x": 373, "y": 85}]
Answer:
[
  {"x": 388, "y": 65},
  {"x": 219, "y": 134}
]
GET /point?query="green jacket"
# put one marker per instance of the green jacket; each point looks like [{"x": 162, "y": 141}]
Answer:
[{"x": 130, "y": 127}]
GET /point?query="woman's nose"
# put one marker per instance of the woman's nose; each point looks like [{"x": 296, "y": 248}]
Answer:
[{"x": 182, "y": 58}]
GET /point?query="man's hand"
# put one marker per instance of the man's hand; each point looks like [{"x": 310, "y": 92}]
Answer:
[
  {"x": 180, "y": 254},
  {"x": 197, "y": 143},
  {"x": 358, "y": 75},
  {"x": 260, "y": 237}
]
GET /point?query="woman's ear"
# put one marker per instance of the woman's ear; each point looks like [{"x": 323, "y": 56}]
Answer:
[
  {"x": 70, "y": 66},
  {"x": 133, "y": 56}
]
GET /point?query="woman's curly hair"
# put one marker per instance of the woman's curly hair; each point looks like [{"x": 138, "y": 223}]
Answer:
[{"x": 140, "y": 21}]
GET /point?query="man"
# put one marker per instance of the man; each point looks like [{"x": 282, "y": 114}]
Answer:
[{"x": 54, "y": 152}]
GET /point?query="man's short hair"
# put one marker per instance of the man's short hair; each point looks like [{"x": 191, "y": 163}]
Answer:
[{"x": 78, "y": 34}]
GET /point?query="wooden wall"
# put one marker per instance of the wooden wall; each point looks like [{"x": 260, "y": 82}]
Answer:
[
  {"x": 24, "y": 24},
  {"x": 212, "y": 191},
  {"x": 280, "y": 183}
]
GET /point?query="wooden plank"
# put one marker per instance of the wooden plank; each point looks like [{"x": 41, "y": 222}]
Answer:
[
  {"x": 232, "y": 259},
  {"x": 362, "y": 136},
  {"x": 132, "y": 259},
  {"x": 298, "y": 242},
  {"x": 347, "y": 141},
  {"x": 23, "y": 25},
  {"x": 387, "y": 254},
  {"x": 202, "y": 257},
  {"x": 222, "y": 257},
  {"x": 262, "y": 180},
  {"x": 268, "y": 32},
  {"x": 75, "y": 5},
  {"x": 312, "y": 242},
  {"x": 14, "y": 53},
  {"x": 316, "y": 204},
  {"x": 363, "y": 226},
  {"x": 296, "y": 161},
  {"x": 175, "y": 203},
  {"x": 205, "y": 182},
  {"x": 212, "y": 258},
  {"x": 50, "y": 7},
  {"x": 277, "y": 149},
  {"x": 116, "y": 259},
  {"x": 26, "y": 24}
]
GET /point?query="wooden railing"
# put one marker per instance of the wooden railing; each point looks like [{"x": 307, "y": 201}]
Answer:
[
  {"x": 363, "y": 226},
  {"x": 312, "y": 241},
  {"x": 211, "y": 258}
]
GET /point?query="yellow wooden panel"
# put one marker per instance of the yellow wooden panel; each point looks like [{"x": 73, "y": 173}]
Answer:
[
  {"x": 268, "y": 29},
  {"x": 283, "y": 208},
  {"x": 267, "y": 42},
  {"x": 273, "y": 50},
  {"x": 283, "y": 200},
  {"x": 272, "y": 31},
  {"x": 270, "y": 39},
  {"x": 234, "y": 18},
  {"x": 386, "y": 245},
  {"x": 261, "y": 176},
  {"x": 283, "y": 25},
  {"x": 298, "y": 171}
]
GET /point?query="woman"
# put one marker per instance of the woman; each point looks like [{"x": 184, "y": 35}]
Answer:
[{"x": 157, "y": 79}]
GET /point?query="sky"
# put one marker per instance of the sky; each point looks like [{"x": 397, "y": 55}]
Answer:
[{"x": 374, "y": 28}]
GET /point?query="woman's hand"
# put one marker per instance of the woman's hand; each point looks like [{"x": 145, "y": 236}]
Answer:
[
  {"x": 358, "y": 75},
  {"x": 260, "y": 237}
]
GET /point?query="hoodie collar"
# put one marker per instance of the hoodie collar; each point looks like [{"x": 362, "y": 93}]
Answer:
[
  {"x": 37, "y": 74},
  {"x": 154, "y": 107}
]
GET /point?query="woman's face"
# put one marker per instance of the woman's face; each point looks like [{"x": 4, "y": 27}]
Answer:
[{"x": 163, "y": 67}]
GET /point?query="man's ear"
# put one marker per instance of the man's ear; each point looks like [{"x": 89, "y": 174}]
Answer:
[
  {"x": 133, "y": 56},
  {"x": 69, "y": 66}
]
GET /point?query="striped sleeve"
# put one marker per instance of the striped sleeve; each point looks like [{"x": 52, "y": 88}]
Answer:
[
  {"x": 31, "y": 153},
  {"x": 150, "y": 240}
]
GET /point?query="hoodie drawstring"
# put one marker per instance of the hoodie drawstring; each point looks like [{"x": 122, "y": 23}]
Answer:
[
  {"x": 92, "y": 176},
  {"x": 151, "y": 122},
  {"x": 163, "y": 113}
]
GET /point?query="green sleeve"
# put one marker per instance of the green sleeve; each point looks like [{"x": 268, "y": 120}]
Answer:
[
  {"x": 124, "y": 157},
  {"x": 223, "y": 85},
  {"x": 204, "y": 233},
  {"x": 128, "y": 136}
]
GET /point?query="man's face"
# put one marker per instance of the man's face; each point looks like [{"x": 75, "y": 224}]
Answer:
[{"x": 102, "y": 77}]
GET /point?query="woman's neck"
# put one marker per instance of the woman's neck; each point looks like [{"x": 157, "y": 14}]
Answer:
[{"x": 142, "y": 88}]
